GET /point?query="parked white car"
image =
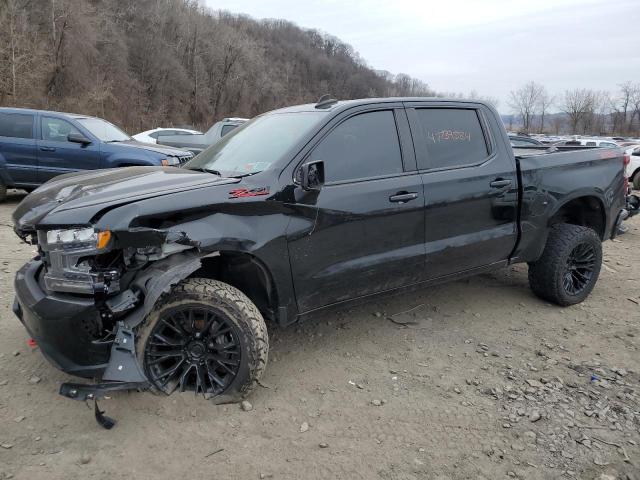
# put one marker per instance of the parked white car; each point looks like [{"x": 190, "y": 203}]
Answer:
[
  {"x": 151, "y": 136},
  {"x": 633, "y": 168}
]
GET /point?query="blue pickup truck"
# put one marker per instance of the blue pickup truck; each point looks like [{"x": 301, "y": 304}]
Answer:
[{"x": 37, "y": 145}]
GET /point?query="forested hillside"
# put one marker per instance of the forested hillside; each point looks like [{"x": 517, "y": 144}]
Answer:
[{"x": 153, "y": 63}]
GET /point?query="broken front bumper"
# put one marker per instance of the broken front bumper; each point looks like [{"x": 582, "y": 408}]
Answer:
[
  {"x": 61, "y": 324},
  {"x": 65, "y": 325}
]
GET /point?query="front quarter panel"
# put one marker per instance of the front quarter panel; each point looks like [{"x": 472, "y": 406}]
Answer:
[
  {"x": 221, "y": 218},
  {"x": 117, "y": 156}
]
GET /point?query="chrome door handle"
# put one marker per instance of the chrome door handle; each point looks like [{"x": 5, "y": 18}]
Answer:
[
  {"x": 403, "y": 197},
  {"x": 500, "y": 183}
]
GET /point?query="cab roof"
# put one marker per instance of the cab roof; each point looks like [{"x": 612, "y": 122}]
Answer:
[
  {"x": 48, "y": 112},
  {"x": 344, "y": 104}
]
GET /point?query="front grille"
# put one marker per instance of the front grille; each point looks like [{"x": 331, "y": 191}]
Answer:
[{"x": 184, "y": 159}]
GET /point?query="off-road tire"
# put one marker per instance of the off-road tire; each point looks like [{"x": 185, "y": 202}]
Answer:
[
  {"x": 546, "y": 273},
  {"x": 238, "y": 309},
  {"x": 3, "y": 191}
]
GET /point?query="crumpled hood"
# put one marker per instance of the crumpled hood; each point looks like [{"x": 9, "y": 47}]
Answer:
[
  {"x": 152, "y": 147},
  {"x": 100, "y": 189}
]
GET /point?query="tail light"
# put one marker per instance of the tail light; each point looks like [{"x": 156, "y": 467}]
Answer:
[{"x": 626, "y": 160}]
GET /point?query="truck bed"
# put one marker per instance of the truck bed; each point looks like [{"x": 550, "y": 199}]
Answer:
[{"x": 550, "y": 178}]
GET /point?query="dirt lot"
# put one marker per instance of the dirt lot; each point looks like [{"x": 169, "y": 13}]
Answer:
[{"x": 480, "y": 379}]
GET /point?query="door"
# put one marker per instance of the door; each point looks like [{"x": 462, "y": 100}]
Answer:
[
  {"x": 18, "y": 148},
  {"x": 470, "y": 185},
  {"x": 57, "y": 155},
  {"x": 363, "y": 232}
]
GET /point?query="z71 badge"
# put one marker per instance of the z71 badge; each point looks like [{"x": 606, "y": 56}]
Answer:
[{"x": 246, "y": 192}]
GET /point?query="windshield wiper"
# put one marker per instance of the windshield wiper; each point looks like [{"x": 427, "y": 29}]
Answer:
[
  {"x": 242, "y": 175},
  {"x": 207, "y": 170}
]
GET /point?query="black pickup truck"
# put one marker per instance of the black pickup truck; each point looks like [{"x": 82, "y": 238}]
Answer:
[{"x": 163, "y": 277}]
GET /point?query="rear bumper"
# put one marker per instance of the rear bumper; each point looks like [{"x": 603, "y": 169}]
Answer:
[
  {"x": 61, "y": 325},
  {"x": 622, "y": 216}
]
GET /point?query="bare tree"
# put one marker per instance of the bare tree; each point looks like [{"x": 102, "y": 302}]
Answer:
[
  {"x": 558, "y": 123},
  {"x": 524, "y": 101},
  {"x": 635, "y": 102},
  {"x": 17, "y": 50},
  {"x": 578, "y": 104},
  {"x": 627, "y": 92},
  {"x": 602, "y": 112},
  {"x": 545, "y": 101}
]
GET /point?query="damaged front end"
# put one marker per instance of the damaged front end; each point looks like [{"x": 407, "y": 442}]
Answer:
[{"x": 85, "y": 293}]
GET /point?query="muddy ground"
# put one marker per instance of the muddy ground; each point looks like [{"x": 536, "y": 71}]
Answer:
[{"x": 476, "y": 379}]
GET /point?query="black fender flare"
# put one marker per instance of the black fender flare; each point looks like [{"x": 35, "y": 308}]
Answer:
[{"x": 158, "y": 279}]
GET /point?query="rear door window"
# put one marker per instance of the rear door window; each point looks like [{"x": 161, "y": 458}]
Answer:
[
  {"x": 16, "y": 125},
  {"x": 365, "y": 145},
  {"x": 453, "y": 137}
]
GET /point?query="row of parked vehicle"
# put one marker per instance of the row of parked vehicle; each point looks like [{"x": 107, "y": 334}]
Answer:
[
  {"x": 192, "y": 140},
  {"x": 37, "y": 145}
]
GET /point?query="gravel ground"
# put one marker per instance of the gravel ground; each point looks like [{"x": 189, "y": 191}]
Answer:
[{"x": 476, "y": 379}]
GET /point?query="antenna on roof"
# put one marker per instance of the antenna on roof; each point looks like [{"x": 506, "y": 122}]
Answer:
[{"x": 325, "y": 101}]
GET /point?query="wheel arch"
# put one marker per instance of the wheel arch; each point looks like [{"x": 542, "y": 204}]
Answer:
[
  {"x": 248, "y": 273},
  {"x": 585, "y": 210}
]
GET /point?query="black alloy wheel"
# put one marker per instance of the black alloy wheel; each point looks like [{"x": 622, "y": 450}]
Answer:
[
  {"x": 193, "y": 348},
  {"x": 579, "y": 269}
]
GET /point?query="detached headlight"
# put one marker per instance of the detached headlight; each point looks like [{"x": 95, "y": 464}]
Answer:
[{"x": 78, "y": 236}]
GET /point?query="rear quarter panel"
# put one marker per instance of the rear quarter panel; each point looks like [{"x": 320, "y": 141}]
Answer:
[{"x": 549, "y": 181}]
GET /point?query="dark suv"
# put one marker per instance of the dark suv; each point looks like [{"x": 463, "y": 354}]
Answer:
[{"x": 37, "y": 145}]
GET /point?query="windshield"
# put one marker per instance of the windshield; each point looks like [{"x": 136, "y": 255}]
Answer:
[
  {"x": 256, "y": 145},
  {"x": 104, "y": 130}
]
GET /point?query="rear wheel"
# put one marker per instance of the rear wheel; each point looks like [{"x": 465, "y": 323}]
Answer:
[
  {"x": 636, "y": 181},
  {"x": 204, "y": 336},
  {"x": 568, "y": 269},
  {"x": 3, "y": 191}
]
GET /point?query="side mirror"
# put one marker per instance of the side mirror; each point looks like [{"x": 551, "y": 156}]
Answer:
[
  {"x": 312, "y": 175},
  {"x": 78, "y": 138}
]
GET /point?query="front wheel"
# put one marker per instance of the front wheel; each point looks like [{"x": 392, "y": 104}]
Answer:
[
  {"x": 568, "y": 269},
  {"x": 204, "y": 336}
]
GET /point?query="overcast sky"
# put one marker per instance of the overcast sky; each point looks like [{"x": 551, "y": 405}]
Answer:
[{"x": 491, "y": 46}]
